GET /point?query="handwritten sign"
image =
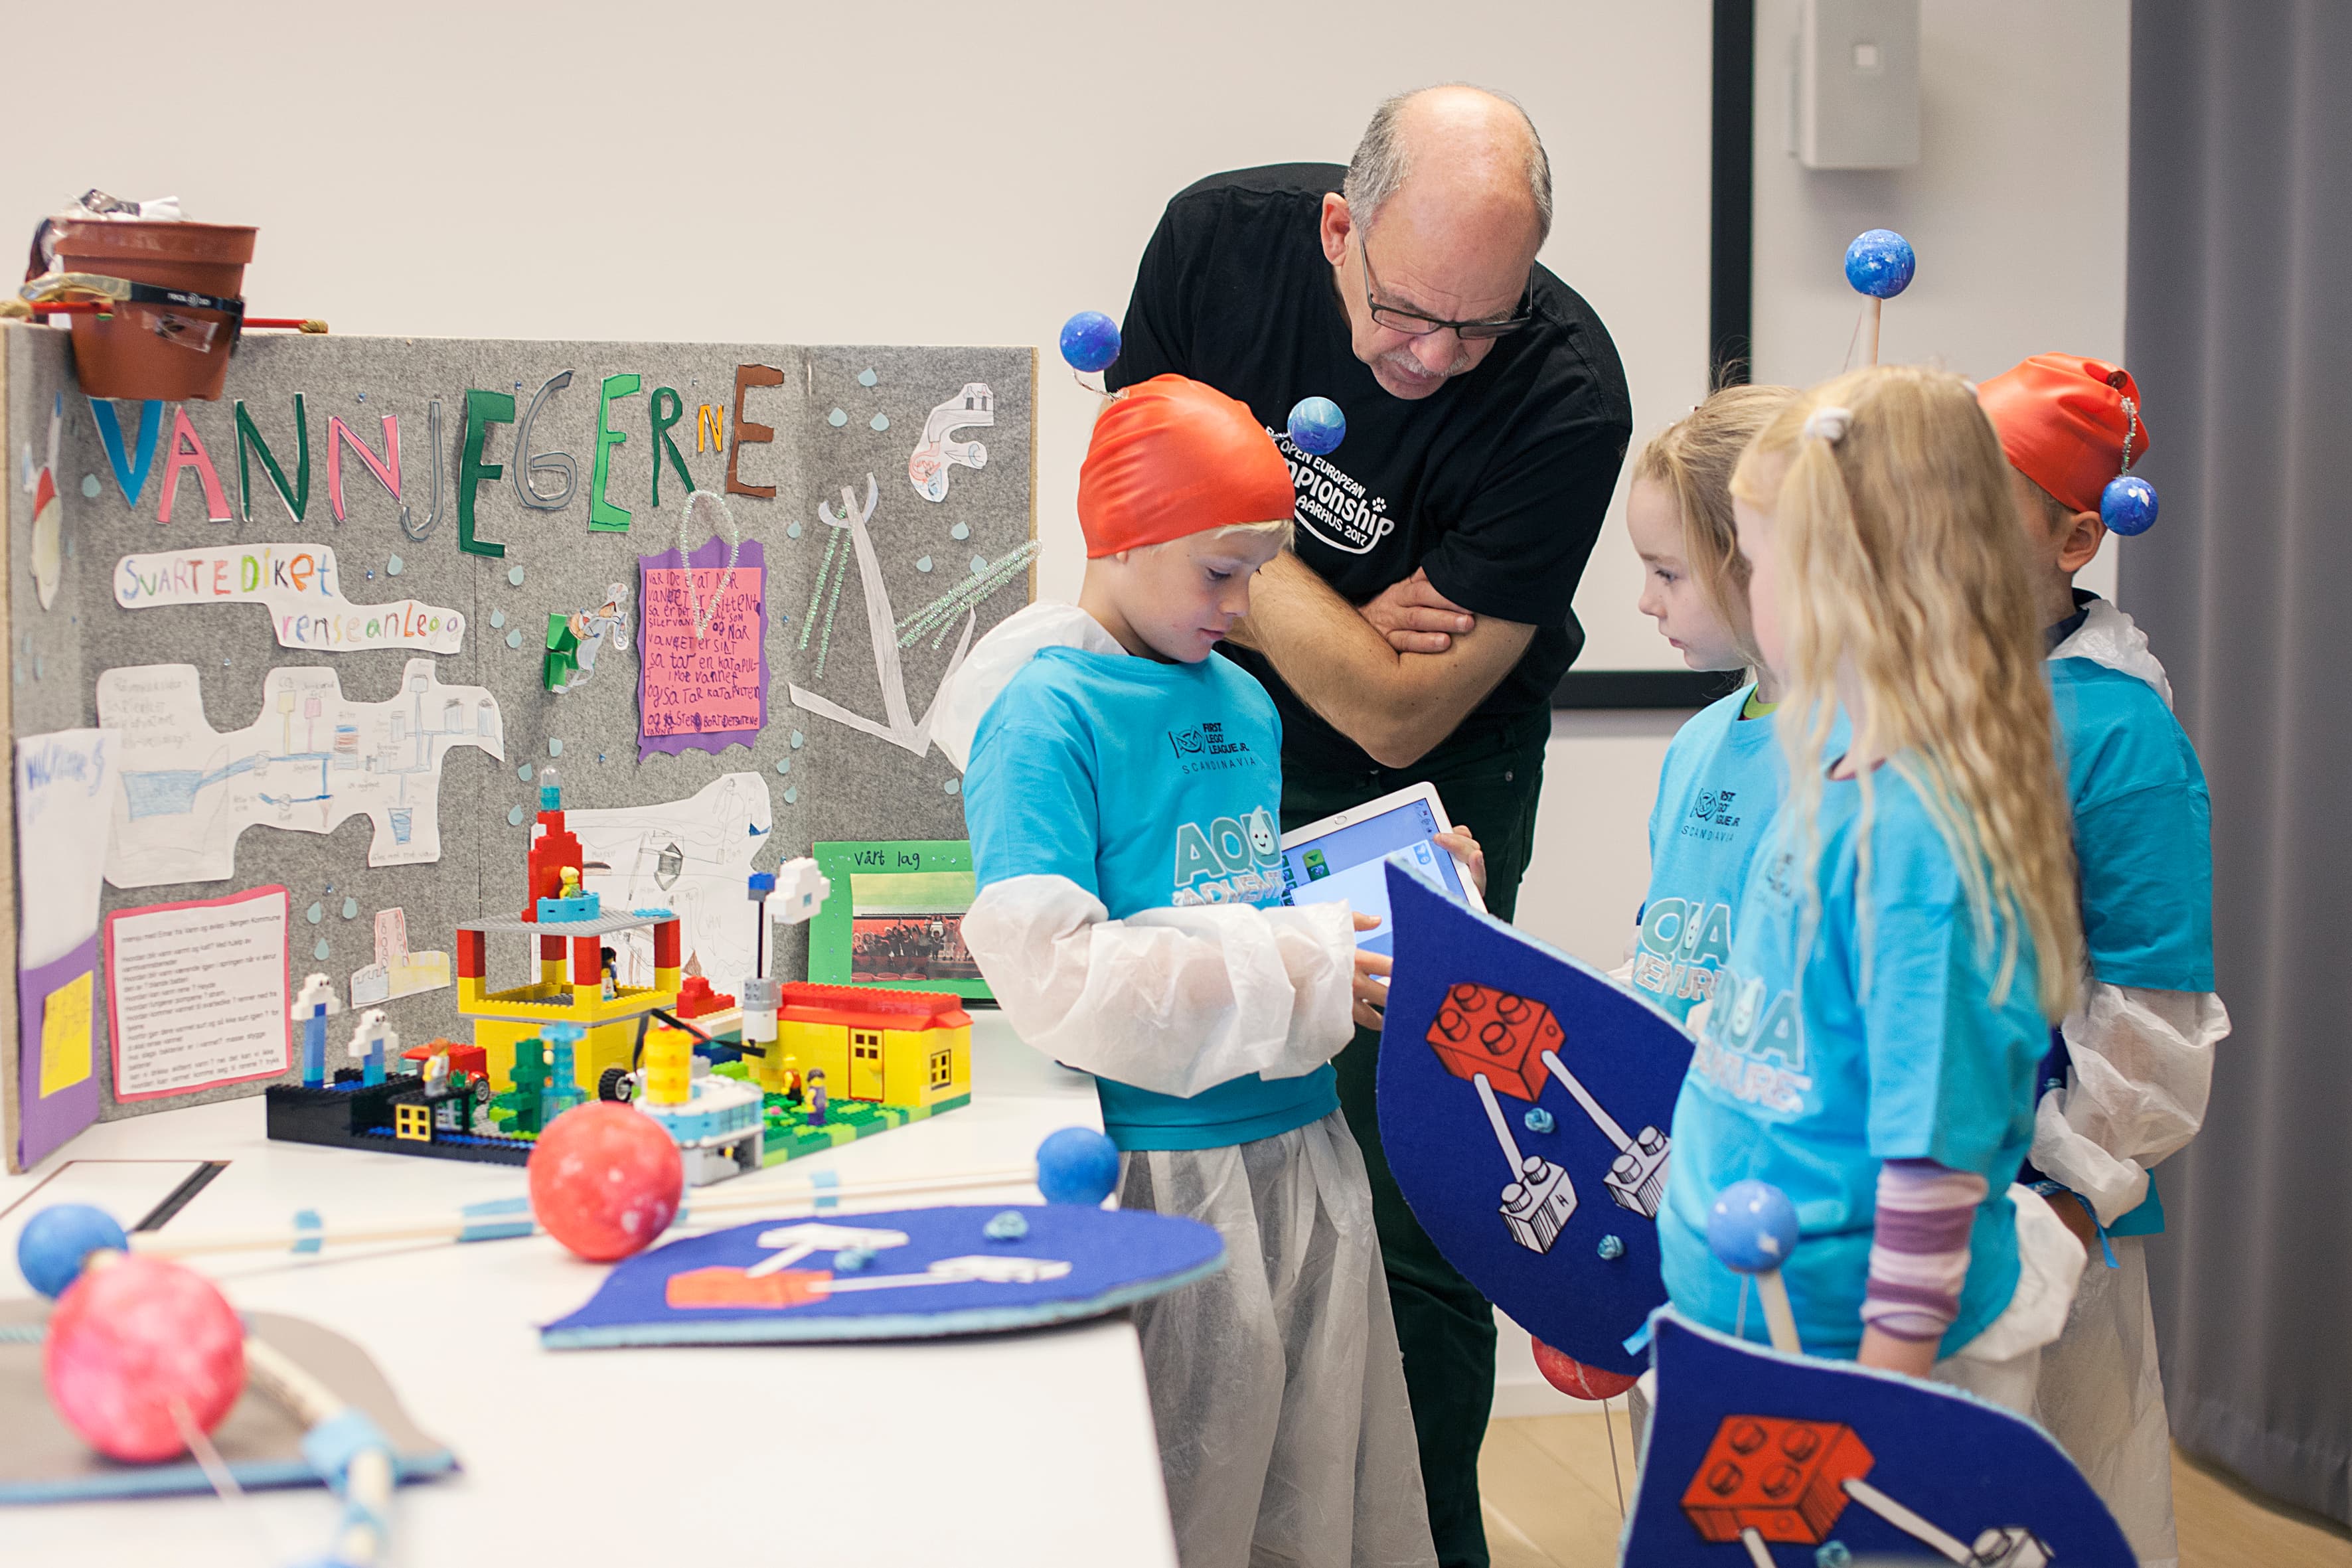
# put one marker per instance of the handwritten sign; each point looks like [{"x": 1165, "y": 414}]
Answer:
[
  {"x": 199, "y": 993},
  {"x": 299, "y": 584},
  {"x": 711, "y": 692}
]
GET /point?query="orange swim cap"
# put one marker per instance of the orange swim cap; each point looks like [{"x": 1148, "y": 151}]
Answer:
[
  {"x": 1171, "y": 458},
  {"x": 2063, "y": 423}
]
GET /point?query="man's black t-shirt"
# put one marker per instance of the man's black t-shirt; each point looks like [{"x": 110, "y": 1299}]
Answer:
[{"x": 1495, "y": 483}]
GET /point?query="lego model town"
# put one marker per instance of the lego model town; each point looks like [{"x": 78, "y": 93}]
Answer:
[{"x": 784, "y": 1069}]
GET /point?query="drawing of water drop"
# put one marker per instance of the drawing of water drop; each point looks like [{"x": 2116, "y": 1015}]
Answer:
[
  {"x": 321, "y": 951},
  {"x": 979, "y": 565},
  {"x": 394, "y": 567},
  {"x": 90, "y": 486},
  {"x": 792, "y": 795},
  {"x": 952, "y": 786},
  {"x": 514, "y": 640},
  {"x": 791, "y": 531},
  {"x": 881, "y": 421},
  {"x": 797, "y": 739},
  {"x": 315, "y": 913},
  {"x": 866, "y": 377},
  {"x": 514, "y": 575},
  {"x": 924, "y": 565},
  {"x": 783, "y": 764},
  {"x": 351, "y": 908},
  {"x": 959, "y": 531},
  {"x": 514, "y": 817},
  {"x": 523, "y": 773},
  {"x": 838, "y": 418},
  {"x": 555, "y": 748},
  {"x": 497, "y": 617}
]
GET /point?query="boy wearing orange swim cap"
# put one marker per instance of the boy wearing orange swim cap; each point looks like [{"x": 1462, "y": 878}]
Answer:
[
  {"x": 1123, "y": 791},
  {"x": 2137, "y": 1057}
]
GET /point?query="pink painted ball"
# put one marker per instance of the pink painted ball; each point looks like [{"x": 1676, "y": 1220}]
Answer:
[
  {"x": 605, "y": 1180},
  {"x": 1575, "y": 1379},
  {"x": 132, "y": 1343}
]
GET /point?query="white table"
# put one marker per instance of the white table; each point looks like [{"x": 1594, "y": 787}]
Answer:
[{"x": 1023, "y": 1448}]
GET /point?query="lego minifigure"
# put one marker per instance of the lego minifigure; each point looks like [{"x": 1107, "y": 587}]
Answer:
[
  {"x": 815, "y": 1097},
  {"x": 611, "y": 961}
]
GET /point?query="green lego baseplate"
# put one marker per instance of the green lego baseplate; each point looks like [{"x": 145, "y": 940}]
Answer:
[{"x": 789, "y": 1134}]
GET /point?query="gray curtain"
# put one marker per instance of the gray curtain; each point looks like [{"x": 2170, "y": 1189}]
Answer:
[{"x": 2239, "y": 335}]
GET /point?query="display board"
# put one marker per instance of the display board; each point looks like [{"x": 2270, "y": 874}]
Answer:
[{"x": 330, "y": 634}]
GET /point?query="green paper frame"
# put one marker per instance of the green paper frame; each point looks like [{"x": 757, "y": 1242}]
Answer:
[{"x": 831, "y": 931}]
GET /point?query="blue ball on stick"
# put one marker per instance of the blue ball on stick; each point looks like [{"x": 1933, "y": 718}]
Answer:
[
  {"x": 51, "y": 1247},
  {"x": 1077, "y": 1165},
  {"x": 1752, "y": 1226},
  {"x": 1090, "y": 342},
  {"x": 1317, "y": 425},
  {"x": 1880, "y": 263},
  {"x": 2127, "y": 506}
]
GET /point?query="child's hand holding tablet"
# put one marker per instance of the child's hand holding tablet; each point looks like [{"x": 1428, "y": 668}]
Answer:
[{"x": 1341, "y": 856}]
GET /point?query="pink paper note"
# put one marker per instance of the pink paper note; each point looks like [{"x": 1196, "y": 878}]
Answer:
[{"x": 707, "y": 692}]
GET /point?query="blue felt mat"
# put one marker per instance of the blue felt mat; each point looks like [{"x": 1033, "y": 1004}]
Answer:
[{"x": 931, "y": 1272}]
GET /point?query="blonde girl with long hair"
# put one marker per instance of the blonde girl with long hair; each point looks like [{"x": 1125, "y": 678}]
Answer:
[
  {"x": 1910, "y": 932},
  {"x": 1723, "y": 776}
]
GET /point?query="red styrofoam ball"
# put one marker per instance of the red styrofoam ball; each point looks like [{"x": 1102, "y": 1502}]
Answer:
[
  {"x": 605, "y": 1180},
  {"x": 128, "y": 1340},
  {"x": 1575, "y": 1379}
]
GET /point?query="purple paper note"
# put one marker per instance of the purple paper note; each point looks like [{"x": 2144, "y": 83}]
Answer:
[
  {"x": 45, "y": 1122},
  {"x": 708, "y": 691}
]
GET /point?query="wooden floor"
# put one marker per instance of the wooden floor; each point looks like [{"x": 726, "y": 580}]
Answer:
[{"x": 1551, "y": 1501}]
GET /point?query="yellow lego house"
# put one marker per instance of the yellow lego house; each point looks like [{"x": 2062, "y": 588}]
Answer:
[{"x": 911, "y": 1049}]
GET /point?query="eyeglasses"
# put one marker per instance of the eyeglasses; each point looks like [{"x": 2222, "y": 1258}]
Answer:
[{"x": 1414, "y": 324}]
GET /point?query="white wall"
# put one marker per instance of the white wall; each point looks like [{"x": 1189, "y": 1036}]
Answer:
[
  {"x": 934, "y": 173},
  {"x": 2016, "y": 208}
]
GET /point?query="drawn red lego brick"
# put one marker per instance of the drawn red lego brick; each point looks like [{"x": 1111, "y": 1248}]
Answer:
[
  {"x": 1784, "y": 1479},
  {"x": 1480, "y": 1029}
]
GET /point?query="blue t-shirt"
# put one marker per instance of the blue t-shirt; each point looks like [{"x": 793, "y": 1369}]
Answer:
[
  {"x": 1887, "y": 1046},
  {"x": 2143, "y": 843},
  {"x": 1147, "y": 785},
  {"x": 1723, "y": 778}
]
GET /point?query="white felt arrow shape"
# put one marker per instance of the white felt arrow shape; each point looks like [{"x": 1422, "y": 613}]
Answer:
[
  {"x": 990, "y": 1269},
  {"x": 797, "y": 1241}
]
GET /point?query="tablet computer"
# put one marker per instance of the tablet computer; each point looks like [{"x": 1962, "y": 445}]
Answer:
[{"x": 1340, "y": 857}]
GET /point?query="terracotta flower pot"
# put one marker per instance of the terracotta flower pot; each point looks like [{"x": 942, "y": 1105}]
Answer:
[{"x": 169, "y": 352}]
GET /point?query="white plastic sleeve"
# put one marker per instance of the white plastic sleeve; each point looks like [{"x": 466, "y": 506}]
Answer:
[
  {"x": 2142, "y": 1068},
  {"x": 1171, "y": 1000}
]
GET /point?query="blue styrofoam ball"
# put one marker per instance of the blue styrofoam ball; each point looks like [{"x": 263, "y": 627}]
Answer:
[
  {"x": 2127, "y": 506},
  {"x": 1077, "y": 1165},
  {"x": 1317, "y": 425},
  {"x": 1089, "y": 340},
  {"x": 1752, "y": 1226},
  {"x": 51, "y": 1247},
  {"x": 1880, "y": 263}
]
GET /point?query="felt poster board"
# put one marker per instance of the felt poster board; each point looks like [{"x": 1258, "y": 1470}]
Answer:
[{"x": 324, "y": 613}]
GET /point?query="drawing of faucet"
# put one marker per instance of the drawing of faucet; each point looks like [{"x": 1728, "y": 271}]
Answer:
[{"x": 899, "y": 727}]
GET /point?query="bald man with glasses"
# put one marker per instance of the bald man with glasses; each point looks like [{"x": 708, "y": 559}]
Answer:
[{"x": 1420, "y": 625}]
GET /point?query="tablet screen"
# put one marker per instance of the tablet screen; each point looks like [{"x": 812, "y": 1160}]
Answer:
[{"x": 1347, "y": 863}]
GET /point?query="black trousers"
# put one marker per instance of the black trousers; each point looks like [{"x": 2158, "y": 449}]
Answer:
[{"x": 1489, "y": 774}]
